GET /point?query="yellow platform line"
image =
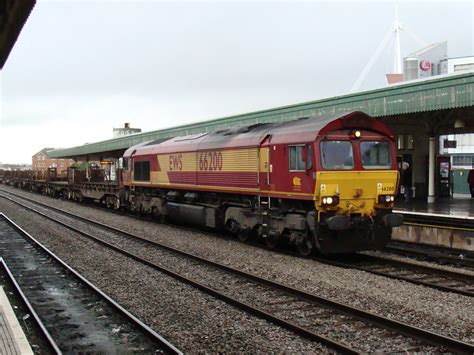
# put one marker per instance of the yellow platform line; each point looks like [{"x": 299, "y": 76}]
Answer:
[{"x": 438, "y": 226}]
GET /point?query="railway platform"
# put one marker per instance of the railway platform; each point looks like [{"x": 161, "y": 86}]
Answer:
[
  {"x": 12, "y": 338},
  {"x": 443, "y": 207},
  {"x": 447, "y": 223}
]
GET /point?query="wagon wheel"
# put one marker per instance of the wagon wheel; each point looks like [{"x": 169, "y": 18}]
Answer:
[{"x": 305, "y": 247}]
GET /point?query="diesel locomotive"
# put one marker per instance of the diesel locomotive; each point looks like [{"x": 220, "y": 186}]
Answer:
[{"x": 324, "y": 184}]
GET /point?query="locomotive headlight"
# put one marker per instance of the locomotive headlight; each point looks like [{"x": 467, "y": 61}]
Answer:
[
  {"x": 386, "y": 198},
  {"x": 330, "y": 200},
  {"x": 357, "y": 134}
]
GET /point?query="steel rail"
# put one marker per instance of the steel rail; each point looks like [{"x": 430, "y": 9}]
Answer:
[
  {"x": 392, "y": 325},
  {"x": 429, "y": 252},
  {"x": 170, "y": 348},
  {"x": 434, "y": 272},
  {"x": 47, "y": 337}
]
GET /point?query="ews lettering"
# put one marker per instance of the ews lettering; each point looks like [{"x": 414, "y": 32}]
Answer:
[{"x": 176, "y": 163}]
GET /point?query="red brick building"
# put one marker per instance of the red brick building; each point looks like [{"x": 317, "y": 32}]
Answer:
[{"x": 41, "y": 161}]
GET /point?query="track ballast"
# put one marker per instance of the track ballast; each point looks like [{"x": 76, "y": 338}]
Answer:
[{"x": 306, "y": 314}]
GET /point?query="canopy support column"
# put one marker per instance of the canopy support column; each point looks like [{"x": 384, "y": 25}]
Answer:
[{"x": 431, "y": 170}]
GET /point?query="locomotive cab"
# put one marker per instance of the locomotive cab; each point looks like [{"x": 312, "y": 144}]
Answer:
[{"x": 356, "y": 183}]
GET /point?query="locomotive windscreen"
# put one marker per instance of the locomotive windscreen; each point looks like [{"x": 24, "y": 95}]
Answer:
[
  {"x": 337, "y": 155},
  {"x": 376, "y": 155}
]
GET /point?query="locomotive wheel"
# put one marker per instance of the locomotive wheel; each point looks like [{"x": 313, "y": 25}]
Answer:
[
  {"x": 244, "y": 236},
  {"x": 304, "y": 248},
  {"x": 157, "y": 216},
  {"x": 271, "y": 242}
]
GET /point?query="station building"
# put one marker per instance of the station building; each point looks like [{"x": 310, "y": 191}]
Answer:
[
  {"x": 125, "y": 131},
  {"x": 41, "y": 161}
]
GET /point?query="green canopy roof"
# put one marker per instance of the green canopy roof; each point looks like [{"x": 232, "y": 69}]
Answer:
[{"x": 437, "y": 93}]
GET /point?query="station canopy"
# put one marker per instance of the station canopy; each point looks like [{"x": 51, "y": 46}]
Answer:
[
  {"x": 13, "y": 15},
  {"x": 444, "y": 92}
]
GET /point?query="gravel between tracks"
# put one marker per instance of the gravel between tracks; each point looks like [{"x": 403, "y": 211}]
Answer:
[{"x": 445, "y": 313}]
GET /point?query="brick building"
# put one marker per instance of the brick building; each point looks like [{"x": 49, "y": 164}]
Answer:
[{"x": 41, "y": 161}]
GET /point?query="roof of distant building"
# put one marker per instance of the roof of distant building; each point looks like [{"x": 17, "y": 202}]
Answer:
[
  {"x": 44, "y": 151},
  {"x": 426, "y": 49}
]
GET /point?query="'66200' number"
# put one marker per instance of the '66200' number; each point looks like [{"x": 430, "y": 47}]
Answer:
[{"x": 210, "y": 161}]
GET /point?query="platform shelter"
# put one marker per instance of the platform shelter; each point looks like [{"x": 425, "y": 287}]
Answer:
[{"x": 417, "y": 111}]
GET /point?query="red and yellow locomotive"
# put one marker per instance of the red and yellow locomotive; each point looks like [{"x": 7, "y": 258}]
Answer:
[{"x": 327, "y": 184}]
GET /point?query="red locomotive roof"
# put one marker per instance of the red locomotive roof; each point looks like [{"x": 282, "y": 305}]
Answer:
[{"x": 302, "y": 130}]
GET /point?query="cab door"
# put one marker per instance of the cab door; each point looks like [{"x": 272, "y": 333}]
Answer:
[
  {"x": 300, "y": 167},
  {"x": 265, "y": 169},
  {"x": 126, "y": 171}
]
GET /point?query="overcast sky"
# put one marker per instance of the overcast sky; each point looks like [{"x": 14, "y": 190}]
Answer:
[{"x": 80, "y": 68}]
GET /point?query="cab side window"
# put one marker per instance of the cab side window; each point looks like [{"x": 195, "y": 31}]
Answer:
[
  {"x": 125, "y": 163},
  {"x": 295, "y": 157}
]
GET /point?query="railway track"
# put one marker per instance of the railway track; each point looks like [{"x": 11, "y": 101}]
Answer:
[
  {"x": 433, "y": 254},
  {"x": 38, "y": 335},
  {"x": 432, "y": 277},
  {"x": 308, "y": 315},
  {"x": 74, "y": 315},
  {"x": 448, "y": 281}
]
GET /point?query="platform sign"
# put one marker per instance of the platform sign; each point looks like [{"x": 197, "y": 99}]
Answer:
[
  {"x": 450, "y": 144},
  {"x": 106, "y": 162}
]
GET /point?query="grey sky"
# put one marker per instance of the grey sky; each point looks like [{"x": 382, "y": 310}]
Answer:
[{"x": 80, "y": 68}]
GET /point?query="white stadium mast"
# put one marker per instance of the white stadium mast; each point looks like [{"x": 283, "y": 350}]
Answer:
[
  {"x": 394, "y": 29},
  {"x": 398, "y": 56}
]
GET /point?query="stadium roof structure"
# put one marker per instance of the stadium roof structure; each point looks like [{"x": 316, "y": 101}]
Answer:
[
  {"x": 436, "y": 93},
  {"x": 13, "y": 16}
]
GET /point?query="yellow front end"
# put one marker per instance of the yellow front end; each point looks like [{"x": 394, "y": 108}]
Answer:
[
  {"x": 354, "y": 210},
  {"x": 355, "y": 192}
]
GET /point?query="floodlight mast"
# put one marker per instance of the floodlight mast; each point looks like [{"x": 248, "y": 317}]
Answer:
[
  {"x": 398, "y": 56},
  {"x": 395, "y": 29}
]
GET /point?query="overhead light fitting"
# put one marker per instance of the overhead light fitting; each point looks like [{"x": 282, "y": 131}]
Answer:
[{"x": 458, "y": 123}]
